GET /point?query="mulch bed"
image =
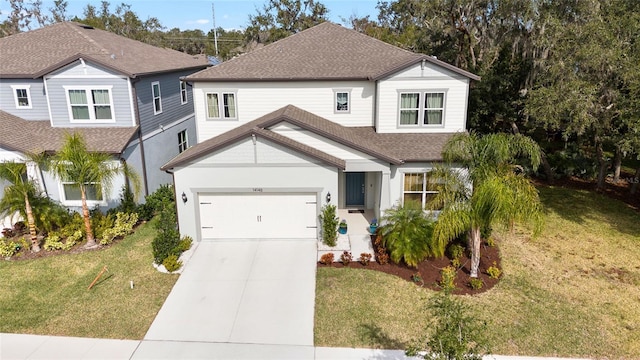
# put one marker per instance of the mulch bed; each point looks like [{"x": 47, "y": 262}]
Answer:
[{"x": 429, "y": 270}]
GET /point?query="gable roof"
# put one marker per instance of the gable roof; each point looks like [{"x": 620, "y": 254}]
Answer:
[
  {"x": 35, "y": 53},
  {"x": 324, "y": 52},
  {"x": 395, "y": 149},
  {"x": 38, "y": 136}
]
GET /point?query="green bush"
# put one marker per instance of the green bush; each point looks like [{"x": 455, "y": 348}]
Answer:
[
  {"x": 49, "y": 215},
  {"x": 8, "y": 248},
  {"x": 329, "y": 222},
  {"x": 54, "y": 241},
  {"x": 476, "y": 283},
  {"x": 122, "y": 226},
  {"x": 493, "y": 271},
  {"x": 171, "y": 263},
  {"x": 156, "y": 201},
  {"x": 167, "y": 239},
  {"x": 407, "y": 234},
  {"x": 448, "y": 281},
  {"x": 184, "y": 244},
  {"x": 100, "y": 223},
  {"x": 127, "y": 202}
]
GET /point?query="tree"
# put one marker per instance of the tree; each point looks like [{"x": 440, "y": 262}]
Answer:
[
  {"x": 75, "y": 163},
  {"x": 21, "y": 191},
  {"x": 489, "y": 189},
  {"x": 281, "y": 18}
]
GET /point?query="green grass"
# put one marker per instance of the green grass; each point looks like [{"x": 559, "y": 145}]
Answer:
[
  {"x": 49, "y": 295},
  {"x": 572, "y": 291}
]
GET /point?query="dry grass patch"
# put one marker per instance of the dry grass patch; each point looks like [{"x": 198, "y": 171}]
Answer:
[
  {"x": 572, "y": 291},
  {"x": 49, "y": 295}
]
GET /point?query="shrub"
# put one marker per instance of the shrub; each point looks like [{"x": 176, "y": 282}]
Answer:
[
  {"x": 100, "y": 223},
  {"x": 365, "y": 259},
  {"x": 493, "y": 271},
  {"x": 346, "y": 258},
  {"x": 54, "y": 241},
  {"x": 326, "y": 259},
  {"x": 8, "y": 248},
  {"x": 455, "y": 251},
  {"x": 447, "y": 283},
  {"x": 184, "y": 244},
  {"x": 491, "y": 242},
  {"x": 407, "y": 234},
  {"x": 122, "y": 226},
  {"x": 417, "y": 278},
  {"x": 167, "y": 238},
  {"x": 382, "y": 258},
  {"x": 329, "y": 222},
  {"x": 476, "y": 283},
  {"x": 156, "y": 201},
  {"x": 171, "y": 263}
]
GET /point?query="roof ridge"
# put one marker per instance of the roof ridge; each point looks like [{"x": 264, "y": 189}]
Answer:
[{"x": 74, "y": 26}]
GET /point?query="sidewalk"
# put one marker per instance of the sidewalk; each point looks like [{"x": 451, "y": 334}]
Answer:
[{"x": 22, "y": 347}]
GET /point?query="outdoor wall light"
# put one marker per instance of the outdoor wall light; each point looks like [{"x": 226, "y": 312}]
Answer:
[
  {"x": 328, "y": 198},
  {"x": 184, "y": 197}
]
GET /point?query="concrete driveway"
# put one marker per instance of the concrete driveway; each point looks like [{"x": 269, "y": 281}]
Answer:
[{"x": 243, "y": 291}]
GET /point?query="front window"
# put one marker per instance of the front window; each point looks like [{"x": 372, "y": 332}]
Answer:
[
  {"x": 420, "y": 188},
  {"x": 90, "y": 105},
  {"x": 342, "y": 102},
  {"x": 183, "y": 93},
  {"x": 157, "y": 99},
  {"x": 22, "y": 97},
  {"x": 421, "y": 108},
  {"x": 72, "y": 192},
  {"x": 221, "y": 106},
  {"x": 183, "y": 142}
]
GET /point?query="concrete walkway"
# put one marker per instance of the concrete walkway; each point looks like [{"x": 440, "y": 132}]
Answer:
[
  {"x": 36, "y": 347},
  {"x": 243, "y": 292}
]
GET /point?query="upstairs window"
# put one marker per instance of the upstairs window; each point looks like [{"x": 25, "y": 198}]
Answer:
[
  {"x": 421, "y": 108},
  {"x": 22, "y": 96},
  {"x": 183, "y": 93},
  {"x": 90, "y": 105},
  {"x": 221, "y": 106},
  {"x": 157, "y": 99},
  {"x": 342, "y": 104},
  {"x": 183, "y": 141}
]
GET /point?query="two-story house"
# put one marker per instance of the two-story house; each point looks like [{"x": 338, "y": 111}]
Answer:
[
  {"x": 327, "y": 115},
  {"x": 125, "y": 97}
]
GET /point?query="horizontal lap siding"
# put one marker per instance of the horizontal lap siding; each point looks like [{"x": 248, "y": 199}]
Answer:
[
  {"x": 318, "y": 142},
  {"x": 172, "y": 109},
  {"x": 244, "y": 152},
  {"x": 257, "y": 99},
  {"x": 39, "y": 109},
  {"x": 431, "y": 78}
]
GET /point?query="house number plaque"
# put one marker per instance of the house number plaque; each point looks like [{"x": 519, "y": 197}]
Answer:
[{"x": 257, "y": 189}]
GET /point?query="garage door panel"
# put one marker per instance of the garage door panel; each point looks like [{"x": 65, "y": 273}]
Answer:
[{"x": 266, "y": 215}]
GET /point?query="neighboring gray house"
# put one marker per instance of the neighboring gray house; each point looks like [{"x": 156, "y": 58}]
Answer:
[
  {"x": 325, "y": 115},
  {"x": 124, "y": 96}
]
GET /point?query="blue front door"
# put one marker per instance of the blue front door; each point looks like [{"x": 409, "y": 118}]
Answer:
[{"x": 355, "y": 188}]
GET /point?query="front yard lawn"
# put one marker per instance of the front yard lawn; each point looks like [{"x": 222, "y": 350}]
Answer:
[
  {"x": 49, "y": 296},
  {"x": 572, "y": 291}
]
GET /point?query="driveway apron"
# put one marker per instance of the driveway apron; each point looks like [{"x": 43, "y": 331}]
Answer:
[{"x": 243, "y": 291}]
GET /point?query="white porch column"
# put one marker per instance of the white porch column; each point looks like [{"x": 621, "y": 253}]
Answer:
[{"x": 385, "y": 192}]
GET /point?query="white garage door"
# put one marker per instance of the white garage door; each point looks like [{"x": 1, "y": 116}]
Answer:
[{"x": 258, "y": 216}]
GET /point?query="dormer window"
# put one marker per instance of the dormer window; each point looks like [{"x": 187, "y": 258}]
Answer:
[{"x": 421, "y": 108}]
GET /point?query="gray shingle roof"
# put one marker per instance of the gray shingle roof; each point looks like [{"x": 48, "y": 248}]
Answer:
[
  {"x": 324, "y": 52},
  {"x": 392, "y": 148},
  {"x": 38, "y": 136},
  {"x": 35, "y": 53}
]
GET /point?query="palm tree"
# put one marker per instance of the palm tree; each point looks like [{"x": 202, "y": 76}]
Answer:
[
  {"x": 75, "y": 163},
  {"x": 486, "y": 187},
  {"x": 18, "y": 195}
]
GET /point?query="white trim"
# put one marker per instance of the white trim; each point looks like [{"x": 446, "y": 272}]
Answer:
[
  {"x": 90, "y": 104},
  {"x": 27, "y": 88},
  {"x": 153, "y": 98},
  {"x": 182, "y": 148},
  {"x": 421, "y": 107},
  {"x": 186, "y": 94},
  {"x": 90, "y": 203},
  {"x": 86, "y": 77},
  {"x": 131, "y": 103},
  {"x": 335, "y": 101},
  {"x": 220, "y": 95},
  {"x": 46, "y": 92},
  {"x": 423, "y": 192}
]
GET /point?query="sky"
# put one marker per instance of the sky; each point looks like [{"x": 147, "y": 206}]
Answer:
[{"x": 197, "y": 14}]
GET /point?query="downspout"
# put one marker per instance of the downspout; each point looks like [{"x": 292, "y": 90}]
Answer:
[
  {"x": 375, "y": 107},
  {"x": 143, "y": 159}
]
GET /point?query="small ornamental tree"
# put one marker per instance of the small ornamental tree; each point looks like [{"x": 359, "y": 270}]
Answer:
[{"x": 329, "y": 222}]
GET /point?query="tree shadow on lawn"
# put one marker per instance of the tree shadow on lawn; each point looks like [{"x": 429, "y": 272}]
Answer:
[
  {"x": 578, "y": 206},
  {"x": 377, "y": 338}
]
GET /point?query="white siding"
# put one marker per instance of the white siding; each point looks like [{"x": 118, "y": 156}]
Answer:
[
  {"x": 431, "y": 78},
  {"x": 263, "y": 152},
  {"x": 79, "y": 69},
  {"x": 256, "y": 99}
]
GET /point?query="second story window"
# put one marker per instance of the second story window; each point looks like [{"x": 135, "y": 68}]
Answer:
[
  {"x": 221, "y": 106},
  {"x": 183, "y": 93},
  {"x": 90, "y": 105},
  {"x": 342, "y": 104},
  {"x": 183, "y": 141},
  {"x": 421, "y": 108},
  {"x": 22, "y": 96},
  {"x": 157, "y": 100}
]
